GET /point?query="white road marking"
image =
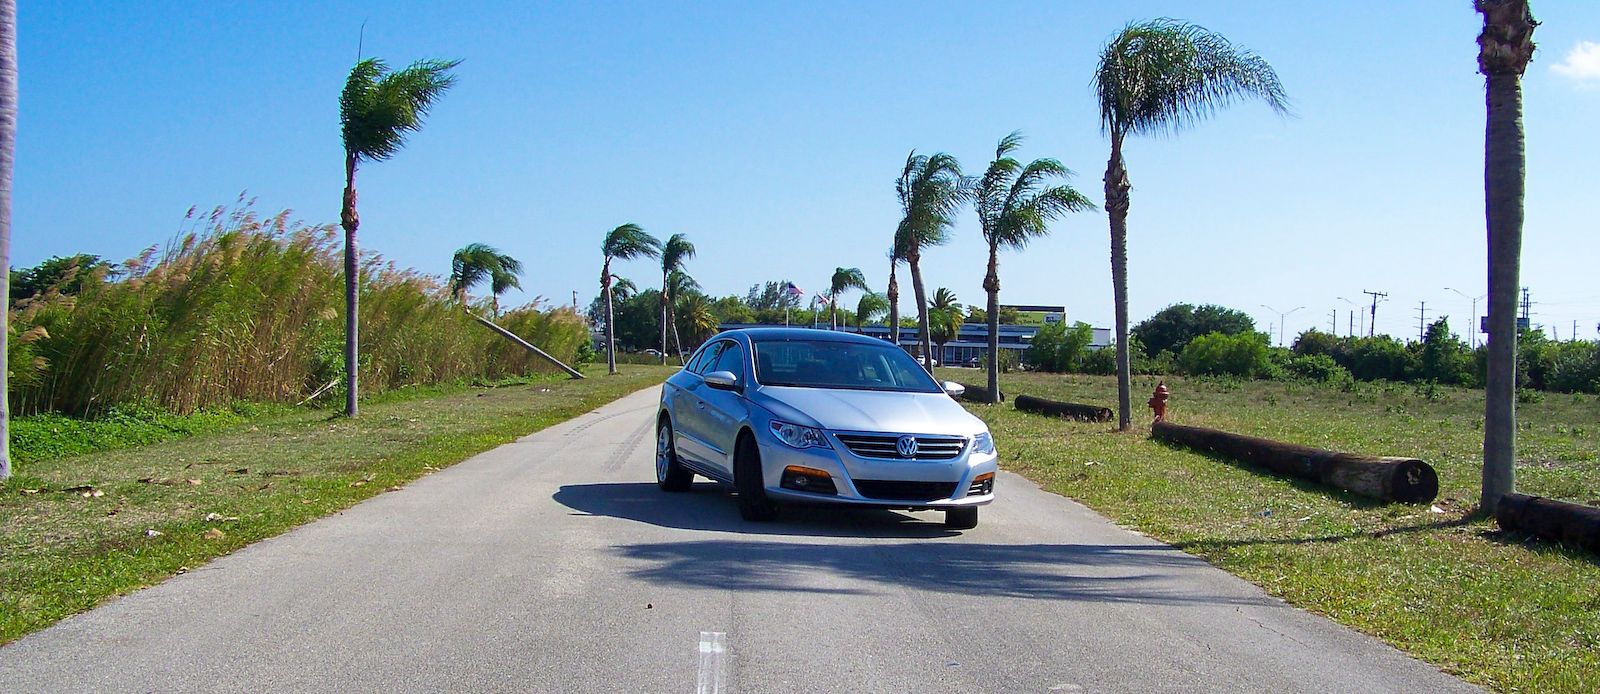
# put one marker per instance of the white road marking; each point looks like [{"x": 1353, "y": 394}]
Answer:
[{"x": 713, "y": 670}]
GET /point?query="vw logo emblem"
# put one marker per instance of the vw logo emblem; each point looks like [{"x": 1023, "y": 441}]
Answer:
[{"x": 907, "y": 446}]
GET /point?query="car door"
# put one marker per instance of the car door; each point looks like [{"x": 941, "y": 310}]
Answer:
[
  {"x": 688, "y": 413},
  {"x": 724, "y": 410}
]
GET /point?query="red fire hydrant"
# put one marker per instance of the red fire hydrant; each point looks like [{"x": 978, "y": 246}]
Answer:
[{"x": 1158, "y": 401}]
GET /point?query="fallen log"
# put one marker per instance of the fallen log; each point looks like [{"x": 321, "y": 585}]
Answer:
[
  {"x": 1561, "y": 521},
  {"x": 1069, "y": 410},
  {"x": 978, "y": 394},
  {"x": 1406, "y": 480}
]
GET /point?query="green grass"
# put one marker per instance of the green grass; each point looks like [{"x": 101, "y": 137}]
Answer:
[
  {"x": 1494, "y": 608},
  {"x": 64, "y": 549}
]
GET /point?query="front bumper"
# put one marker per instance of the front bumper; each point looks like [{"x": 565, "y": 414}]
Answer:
[{"x": 965, "y": 480}]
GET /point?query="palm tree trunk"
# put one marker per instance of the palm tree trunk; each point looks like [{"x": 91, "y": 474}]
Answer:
[
  {"x": 672, "y": 317},
  {"x": 991, "y": 284},
  {"x": 1117, "y": 208},
  {"x": 352, "y": 286},
  {"x": 664, "y": 317},
  {"x": 924, "y": 335},
  {"x": 894, "y": 305},
  {"x": 1503, "y": 180},
  {"x": 8, "y": 146},
  {"x": 611, "y": 337},
  {"x": 833, "y": 311}
]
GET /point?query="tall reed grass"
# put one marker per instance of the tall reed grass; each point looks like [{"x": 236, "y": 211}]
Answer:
[{"x": 240, "y": 307}]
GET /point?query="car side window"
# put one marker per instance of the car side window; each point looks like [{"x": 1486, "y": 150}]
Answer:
[
  {"x": 708, "y": 357},
  {"x": 730, "y": 359},
  {"x": 700, "y": 358}
]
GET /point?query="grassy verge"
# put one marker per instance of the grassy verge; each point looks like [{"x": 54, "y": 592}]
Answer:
[
  {"x": 76, "y": 531},
  {"x": 1496, "y": 609}
]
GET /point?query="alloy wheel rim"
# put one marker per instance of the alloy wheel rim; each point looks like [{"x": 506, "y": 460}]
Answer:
[{"x": 663, "y": 452}]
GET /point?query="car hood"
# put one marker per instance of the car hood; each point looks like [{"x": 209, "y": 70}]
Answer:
[{"x": 868, "y": 410}]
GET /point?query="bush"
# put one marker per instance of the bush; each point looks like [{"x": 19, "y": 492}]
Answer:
[
  {"x": 1381, "y": 358},
  {"x": 1243, "y": 355},
  {"x": 1318, "y": 367}
]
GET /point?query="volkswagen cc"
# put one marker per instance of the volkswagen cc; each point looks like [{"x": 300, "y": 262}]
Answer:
[{"x": 792, "y": 415}]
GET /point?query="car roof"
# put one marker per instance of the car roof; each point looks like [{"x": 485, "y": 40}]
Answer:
[{"x": 807, "y": 334}]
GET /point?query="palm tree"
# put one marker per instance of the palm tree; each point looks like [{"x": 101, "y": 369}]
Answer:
[
  {"x": 475, "y": 263},
  {"x": 1158, "y": 77},
  {"x": 505, "y": 276},
  {"x": 1504, "y": 49},
  {"x": 844, "y": 279},
  {"x": 871, "y": 305},
  {"x": 674, "y": 253},
  {"x": 945, "y": 324},
  {"x": 624, "y": 242},
  {"x": 623, "y": 289},
  {"x": 8, "y": 148},
  {"x": 944, "y": 300},
  {"x": 377, "y": 110},
  {"x": 892, "y": 296},
  {"x": 698, "y": 317},
  {"x": 931, "y": 190},
  {"x": 1015, "y": 205},
  {"x": 677, "y": 286}
]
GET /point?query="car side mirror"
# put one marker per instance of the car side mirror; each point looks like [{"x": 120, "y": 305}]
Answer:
[
  {"x": 953, "y": 389},
  {"x": 722, "y": 380}
]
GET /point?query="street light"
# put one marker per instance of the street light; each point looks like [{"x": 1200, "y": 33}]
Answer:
[
  {"x": 1351, "y": 330},
  {"x": 1472, "y": 328},
  {"x": 1281, "y": 315}
]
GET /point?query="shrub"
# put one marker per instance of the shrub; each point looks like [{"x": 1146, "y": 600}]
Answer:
[
  {"x": 1318, "y": 367},
  {"x": 1243, "y": 355}
]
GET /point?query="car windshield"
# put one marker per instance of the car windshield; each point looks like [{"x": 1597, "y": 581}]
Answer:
[{"x": 843, "y": 365}]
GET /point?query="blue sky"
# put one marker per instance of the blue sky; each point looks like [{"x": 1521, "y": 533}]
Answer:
[{"x": 771, "y": 134}]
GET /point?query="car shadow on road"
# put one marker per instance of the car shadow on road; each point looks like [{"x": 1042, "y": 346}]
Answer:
[
  {"x": 708, "y": 506},
  {"x": 918, "y": 554}
]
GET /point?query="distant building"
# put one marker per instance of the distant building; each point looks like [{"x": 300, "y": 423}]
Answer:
[
  {"x": 1030, "y": 314},
  {"x": 973, "y": 340}
]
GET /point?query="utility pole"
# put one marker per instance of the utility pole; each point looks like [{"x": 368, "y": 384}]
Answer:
[
  {"x": 1333, "y": 322},
  {"x": 1351, "y": 330},
  {"x": 1281, "y": 316},
  {"x": 1372, "y": 329},
  {"x": 574, "y": 301},
  {"x": 1422, "y": 321}
]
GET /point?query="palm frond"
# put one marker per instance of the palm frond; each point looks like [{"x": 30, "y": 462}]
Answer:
[
  {"x": 630, "y": 241},
  {"x": 1163, "y": 75},
  {"x": 675, "y": 252},
  {"x": 846, "y": 278},
  {"x": 378, "y": 108}
]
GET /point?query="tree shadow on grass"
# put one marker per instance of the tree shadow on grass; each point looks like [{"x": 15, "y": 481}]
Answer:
[
  {"x": 884, "y": 549},
  {"x": 1203, "y": 545}
]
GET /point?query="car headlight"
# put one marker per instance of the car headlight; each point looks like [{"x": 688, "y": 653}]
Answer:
[
  {"x": 796, "y": 436},
  {"x": 983, "y": 443}
]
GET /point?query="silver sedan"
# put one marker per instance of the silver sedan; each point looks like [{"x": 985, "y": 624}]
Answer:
[{"x": 794, "y": 415}]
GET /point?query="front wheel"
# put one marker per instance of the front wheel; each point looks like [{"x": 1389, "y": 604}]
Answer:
[
  {"x": 747, "y": 480},
  {"x": 671, "y": 476},
  {"x": 963, "y": 518}
]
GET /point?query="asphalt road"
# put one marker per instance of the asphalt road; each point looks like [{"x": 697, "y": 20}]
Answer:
[{"x": 554, "y": 565}]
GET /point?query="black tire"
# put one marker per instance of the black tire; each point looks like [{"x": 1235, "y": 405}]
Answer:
[
  {"x": 754, "y": 505},
  {"x": 670, "y": 475},
  {"x": 962, "y": 518}
]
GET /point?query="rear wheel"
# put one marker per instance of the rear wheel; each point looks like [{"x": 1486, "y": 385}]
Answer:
[
  {"x": 963, "y": 518},
  {"x": 747, "y": 479},
  {"x": 670, "y": 475}
]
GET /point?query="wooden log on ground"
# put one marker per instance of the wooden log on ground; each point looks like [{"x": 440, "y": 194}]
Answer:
[
  {"x": 1069, "y": 410},
  {"x": 1406, "y": 480},
  {"x": 978, "y": 394},
  {"x": 1573, "y": 524}
]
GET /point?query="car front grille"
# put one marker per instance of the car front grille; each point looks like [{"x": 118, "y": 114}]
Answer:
[
  {"x": 885, "y": 446},
  {"x": 905, "y": 491}
]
